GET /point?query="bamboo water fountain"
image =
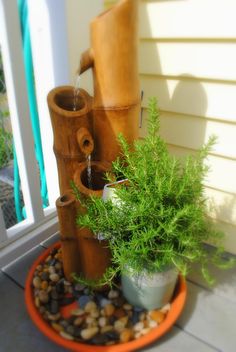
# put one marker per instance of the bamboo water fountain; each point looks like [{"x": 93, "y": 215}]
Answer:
[
  {"x": 85, "y": 139},
  {"x": 91, "y": 126}
]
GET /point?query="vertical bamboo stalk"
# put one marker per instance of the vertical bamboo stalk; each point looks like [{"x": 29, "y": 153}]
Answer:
[
  {"x": 94, "y": 253},
  {"x": 66, "y": 210},
  {"x": 72, "y": 129},
  {"x": 113, "y": 56}
]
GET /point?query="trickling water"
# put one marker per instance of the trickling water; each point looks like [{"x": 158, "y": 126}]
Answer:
[
  {"x": 89, "y": 172},
  {"x": 76, "y": 92}
]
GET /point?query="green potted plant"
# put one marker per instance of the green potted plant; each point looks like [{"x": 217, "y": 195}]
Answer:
[{"x": 155, "y": 223}]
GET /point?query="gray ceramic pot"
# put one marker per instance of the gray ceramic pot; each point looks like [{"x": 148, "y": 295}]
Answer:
[{"x": 149, "y": 291}]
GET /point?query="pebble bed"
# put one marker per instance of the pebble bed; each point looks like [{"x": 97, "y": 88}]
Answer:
[{"x": 97, "y": 318}]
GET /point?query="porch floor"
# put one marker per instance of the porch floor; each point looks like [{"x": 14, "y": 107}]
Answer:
[{"x": 207, "y": 323}]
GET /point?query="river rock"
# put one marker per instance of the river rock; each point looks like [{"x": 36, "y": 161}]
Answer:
[
  {"x": 99, "y": 339},
  {"x": 126, "y": 335},
  {"x": 54, "y": 277},
  {"x": 42, "y": 310},
  {"x": 145, "y": 331},
  {"x": 119, "y": 313},
  {"x": 79, "y": 287},
  {"x": 87, "y": 334},
  {"x": 57, "y": 327},
  {"x": 138, "y": 309},
  {"x": 157, "y": 315},
  {"x": 104, "y": 301},
  {"x": 102, "y": 321},
  {"x": 135, "y": 317},
  {"x": 64, "y": 323},
  {"x": 127, "y": 306},
  {"x": 94, "y": 313},
  {"x": 43, "y": 296},
  {"x": 109, "y": 309},
  {"x": 83, "y": 300},
  {"x": 58, "y": 266},
  {"x": 165, "y": 309},
  {"x": 60, "y": 286},
  {"x": 142, "y": 316},
  {"x": 152, "y": 324},
  {"x": 45, "y": 276},
  {"x": 78, "y": 312},
  {"x": 113, "y": 335},
  {"x": 90, "y": 306},
  {"x": 120, "y": 324},
  {"x": 54, "y": 317},
  {"x": 106, "y": 328},
  {"x": 113, "y": 294},
  {"x": 70, "y": 329},
  {"x": 39, "y": 267},
  {"x": 54, "y": 307},
  {"x": 78, "y": 321},
  {"x": 44, "y": 285},
  {"x": 119, "y": 301},
  {"x": 90, "y": 321},
  {"x": 51, "y": 270},
  {"x": 37, "y": 301},
  {"x": 66, "y": 335},
  {"x": 66, "y": 300},
  {"x": 37, "y": 282},
  {"x": 54, "y": 294},
  {"x": 138, "y": 327}
]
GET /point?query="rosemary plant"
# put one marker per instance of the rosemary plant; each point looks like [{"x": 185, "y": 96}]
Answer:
[{"x": 160, "y": 219}]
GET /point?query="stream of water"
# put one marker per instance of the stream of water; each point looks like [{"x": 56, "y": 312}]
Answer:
[
  {"x": 76, "y": 92},
  {"x": 89, "y": 172}
]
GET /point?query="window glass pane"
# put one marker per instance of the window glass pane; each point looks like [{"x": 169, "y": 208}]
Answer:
[{"x": 11, "y": 198}]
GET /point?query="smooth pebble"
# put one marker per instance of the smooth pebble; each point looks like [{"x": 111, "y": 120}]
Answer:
[
  {"x": 113, "y": 294},
  {"x": 66, "y": 335},
  {"x": 87, "y": 334},
  {"x": 37, "y": 282}
]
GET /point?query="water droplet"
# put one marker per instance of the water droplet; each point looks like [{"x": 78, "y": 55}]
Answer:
[{"x": 89, "y": 172}]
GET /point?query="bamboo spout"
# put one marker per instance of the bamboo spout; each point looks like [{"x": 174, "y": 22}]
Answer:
[
  {"x": 86, "y": 61},
  {"x": 113, "y": 56},
  {"x": 85, "y": 141}
]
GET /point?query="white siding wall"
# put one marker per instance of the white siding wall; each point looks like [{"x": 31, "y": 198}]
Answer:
[{"x": 188, "y": 61}]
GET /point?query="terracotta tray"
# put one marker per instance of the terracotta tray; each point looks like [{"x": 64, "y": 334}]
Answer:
[{"x": 177, "y": 305}]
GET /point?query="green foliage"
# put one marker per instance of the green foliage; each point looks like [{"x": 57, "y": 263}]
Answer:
[
  {"x": 160, "y": 219},
  {"x": 2, "y": 80},
  {"x": 6, "y": 150}
]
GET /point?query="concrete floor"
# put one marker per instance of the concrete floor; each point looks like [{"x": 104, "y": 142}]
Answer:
[{"x": 207, "y": 323}]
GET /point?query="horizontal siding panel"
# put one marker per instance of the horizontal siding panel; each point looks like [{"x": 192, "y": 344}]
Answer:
[
  {"x": 192, "y": 132},
  {"x": 189, "y": 96},
  {"x": 222, "y": 173},
  {"x": 188, "y": 19},
  {"x": 230, "y": 236},
  {"x": 221, "y": 205},
  {"x": 109, "y": 3},
  {"x": 205, "y": 60}
]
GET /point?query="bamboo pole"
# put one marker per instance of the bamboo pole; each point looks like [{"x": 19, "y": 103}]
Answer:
[
  {"x": 66, "y": 210},
  {"x": 95, "y": 255},
  {"x": 72, "y": 131},
  {"x": 113, "y": 56}
]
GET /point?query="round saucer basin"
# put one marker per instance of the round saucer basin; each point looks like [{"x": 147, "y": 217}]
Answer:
[{"x": 177, "y": 305}]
